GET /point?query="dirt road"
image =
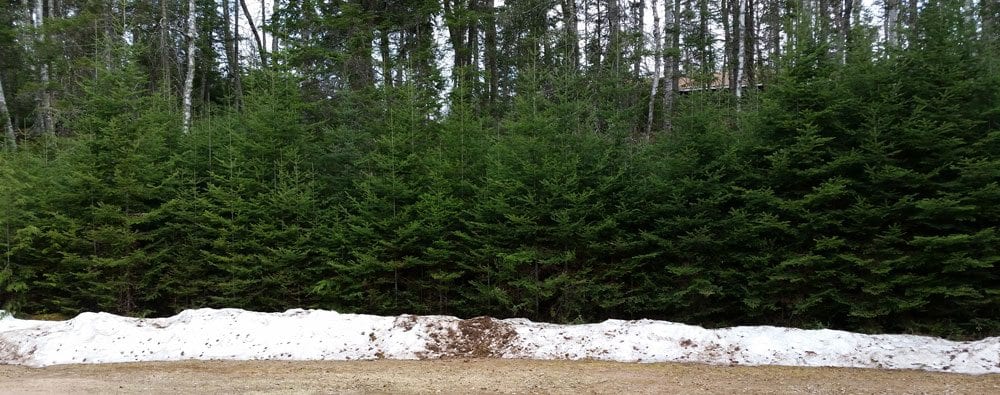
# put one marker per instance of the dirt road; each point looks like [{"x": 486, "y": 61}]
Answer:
[{"x": 477, "y": 376}]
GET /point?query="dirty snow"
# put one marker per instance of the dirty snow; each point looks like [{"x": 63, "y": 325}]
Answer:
[{"x": 233, "y": 334}]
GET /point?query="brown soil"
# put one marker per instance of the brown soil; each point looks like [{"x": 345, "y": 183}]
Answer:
[
  {"x": 480, "y": 337},
  {"x": 477, "y": 376}
]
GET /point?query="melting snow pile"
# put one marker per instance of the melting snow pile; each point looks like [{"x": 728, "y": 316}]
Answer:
[{"x": 327, "y": 335}]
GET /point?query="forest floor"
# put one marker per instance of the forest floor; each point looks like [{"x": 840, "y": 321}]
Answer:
[{"x": 478, "y": 376}]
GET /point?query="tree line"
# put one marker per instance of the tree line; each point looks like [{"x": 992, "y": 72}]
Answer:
[{"x": 719, "y": 163}]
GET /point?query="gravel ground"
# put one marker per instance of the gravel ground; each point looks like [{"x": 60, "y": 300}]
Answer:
[{"x": 477, "y": 376}]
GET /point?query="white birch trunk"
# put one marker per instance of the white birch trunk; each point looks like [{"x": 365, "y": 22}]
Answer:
[
  {"x": 45, "y": 100},
  {"x": 8, "y": 126},
  {"x": 740, "y": 48},
  {"x": 657, "y": 54},
  {"x": 891, "y": 22},
  {"x": 189, "y": 81}
]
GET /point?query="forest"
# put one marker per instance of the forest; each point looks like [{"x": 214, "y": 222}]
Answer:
[{"x": 808, "y": 163}]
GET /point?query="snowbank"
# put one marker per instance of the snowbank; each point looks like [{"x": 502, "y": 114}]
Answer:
[{"x": 326, "y": 335}]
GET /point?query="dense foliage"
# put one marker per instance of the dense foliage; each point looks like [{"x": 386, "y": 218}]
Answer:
[{"x": 861, "y": 195}]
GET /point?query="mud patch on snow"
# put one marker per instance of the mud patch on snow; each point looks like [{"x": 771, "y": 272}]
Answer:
[
  {"x": 406, "y": 322},
  {"x": 10, "y": 353},
  {"x": 480, "y": 337}
]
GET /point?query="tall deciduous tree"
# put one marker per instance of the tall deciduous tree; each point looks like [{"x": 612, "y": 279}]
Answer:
[
  {"x": 44, "y": 96},
  {"x": 845, "y": 29},
  {"x": 256, "y": 36},
  {"x": 671, "y": 59},
  {"x": 614, "y": 23},
  {"x": 771, "y": 36},
  {"x": 638, "y": 23},
  {"x": 8, "y": 127},
  {"x": 192, "y": 35},
  {"x": 750, "y": 43},
  {"x": 164, "y": 47},
  {"x": 657, "y": 56},
  {"x": 891, "y": 23},
  {"x": 456, "y": 14},
  {"x": 232, "y": 57},
  {"x": 274, "y": 37},
  {"x": 572, "y": 40},
  {"x": 491, "y": 55},
  {"x": 740, "y": 37}
]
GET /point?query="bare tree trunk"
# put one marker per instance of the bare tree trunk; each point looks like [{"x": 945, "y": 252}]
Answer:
[
  {"x": 822, "y": 17},
  {"x": 891, "y": 22},
  {"x": 189, "y": 81},
  {"x": 640, "y": 45},
  {"x": 263, "y": 23},
  {"x": 792, "y": 21},
  {"x": 845, "y": 29},
  {"x": 8, "y": 126},
  {"x": 706, "y": 57},
  {"x": 592, "y": 37},
  {"x": 614, "y": 50},
  {"x": 569, "y": 26},
  {"x": 774, "y": 32},
  {"x": 472, "y": 61},
  {"x": 804, "y": 12},
  {"x": 728, "y": 53},
  {"x": 44, "y": 98},
  {"x": 585, "y": 40},
  {"x": 256, "y": 36},
  {"x": 274, "y": 37},
  {"x": 236, "y": 30},
  {"x": 456, "y": 35},
  {"x": 491, "y": 54},
  {"x": 740, "y": 15},
  {"x": 164, "y": 54},
  {"x": 232, "y": 58},
  {"x": 759, "y": 39},
  {"x": 53, "y": 15},
  {"x": 206, "y": 66},
  {"x": 27, "y": 19},
  {"x": 401, "y": 57},
  {"x": 749, "y": 43},
  {"x": 657, "y": 55},
  {"x": 671, "y": 60},
  {"x": 386, "y": 54}
]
